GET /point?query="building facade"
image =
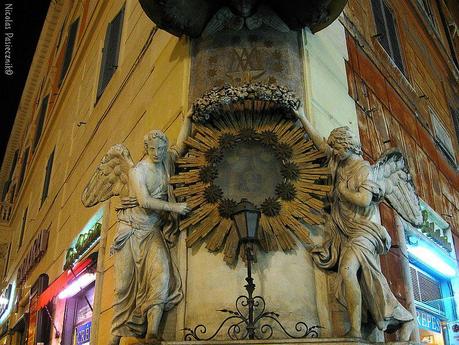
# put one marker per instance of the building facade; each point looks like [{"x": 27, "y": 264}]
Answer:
[{"x": 103, "y": 73}]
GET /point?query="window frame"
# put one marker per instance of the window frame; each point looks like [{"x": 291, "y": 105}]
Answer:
[
  {"x": 40, "y": 124},
  {"x": 394, "y": 46},
  {"x": 112, "y": 44},
  {"x": 48, "y": 174},
  {"x": 69, "y": 48},
  {"x": 23, "y": 226}
]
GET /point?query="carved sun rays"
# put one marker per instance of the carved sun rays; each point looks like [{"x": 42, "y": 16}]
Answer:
[{"x": 298, "y": 197}]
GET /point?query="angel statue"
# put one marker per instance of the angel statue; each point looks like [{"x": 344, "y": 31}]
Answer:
[
  {"x": 147, "y": 282},
  {"x": 353, "y": 241}
]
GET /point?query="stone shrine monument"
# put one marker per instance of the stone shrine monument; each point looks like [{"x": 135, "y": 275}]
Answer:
[{"x": 247, "y": 148}]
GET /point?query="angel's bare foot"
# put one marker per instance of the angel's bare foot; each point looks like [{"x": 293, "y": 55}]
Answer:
[
  {"x": 353, "y": 333},
  {"x": 115, "y": 340},
  {"x": 406, "y": 330}
]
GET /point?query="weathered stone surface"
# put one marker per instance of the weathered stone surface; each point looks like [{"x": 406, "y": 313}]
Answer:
[{"x": 238, "y": 57}]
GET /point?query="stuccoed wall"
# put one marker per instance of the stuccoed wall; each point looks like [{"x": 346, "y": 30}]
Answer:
[{"x": 328, "y": 103}]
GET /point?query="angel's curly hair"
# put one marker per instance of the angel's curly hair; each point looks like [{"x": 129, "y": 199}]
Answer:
[
  {"x": 342, "y": 139},
  {"x": 156, "y": 133}
]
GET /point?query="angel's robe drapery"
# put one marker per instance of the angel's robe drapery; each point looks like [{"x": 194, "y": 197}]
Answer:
[
  {"x": 145, "y": 275},
  {"x": 350, "y": 229}
]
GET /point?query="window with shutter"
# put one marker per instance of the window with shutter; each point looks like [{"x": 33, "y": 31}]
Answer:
[
  {"x": 25, "y": 158},
  {"x": 110, "y": 51},
  {"x": 40, "y": 122},
  {"x": 455, "y": 115},
  {"x": 7, "y": 184},
  {"x": 426, "y": 7},
  {"x": 387, "y": 31},
  {"x": 69, "y": 49},
  {"x": 49, "y": 168},
  {"x": 442, "y": 137},
  {"x": 23, "y": 225}
]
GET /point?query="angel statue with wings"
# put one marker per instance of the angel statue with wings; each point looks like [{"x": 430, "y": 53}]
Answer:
[
  {"x": 353, "y": 241},
  {"x": 147, "y": 282}
]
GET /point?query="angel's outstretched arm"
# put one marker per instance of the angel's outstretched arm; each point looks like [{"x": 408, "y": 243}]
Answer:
[
  {"x": 318, "y": 141},
  {"x": 139, "y": 188},
  {"x": 185, "y": 132}
]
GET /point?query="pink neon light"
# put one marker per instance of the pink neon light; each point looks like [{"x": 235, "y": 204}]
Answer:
[{"x": 77, "y": 285}]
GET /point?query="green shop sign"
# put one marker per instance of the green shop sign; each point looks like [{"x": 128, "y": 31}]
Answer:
[{"x": 85, "y": 241}]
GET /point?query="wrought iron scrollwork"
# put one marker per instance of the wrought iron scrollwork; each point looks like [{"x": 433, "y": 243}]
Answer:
[
  {"x": 250, "y": 320},
  {"x": 240, "y": 327}
]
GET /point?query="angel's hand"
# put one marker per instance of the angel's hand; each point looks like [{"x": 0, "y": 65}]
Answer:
[
  {"x": 129, "y": 202},
  {"x": 299, "y": 114},
  {"x": 189, "y": 113},
  {"x": 181, "y": 208}
]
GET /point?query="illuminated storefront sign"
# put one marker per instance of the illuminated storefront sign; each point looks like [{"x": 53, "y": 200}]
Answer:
[
  {"x": 6, "y": 302},
  {"x": 83, "y": 334},
  {"x": 428, "y": 321},
  {"x": 85, "y": 241},
  {"x": 453, "y": 328},
  {"x": 39, "y": 246}
]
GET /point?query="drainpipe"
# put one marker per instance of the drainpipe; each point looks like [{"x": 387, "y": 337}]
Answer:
[
  {"x": 406, "y": 275},
  {"x": 99, "y": 276}
]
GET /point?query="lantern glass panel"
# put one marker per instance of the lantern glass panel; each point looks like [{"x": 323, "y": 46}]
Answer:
[
  {"x": 252, "y": 225},
  {"x": 241, "y": 225}
]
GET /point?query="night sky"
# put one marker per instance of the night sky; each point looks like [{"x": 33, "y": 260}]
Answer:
[{"x": 27, "y": 20}]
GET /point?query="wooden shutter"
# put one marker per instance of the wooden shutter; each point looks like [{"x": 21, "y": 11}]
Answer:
[
  {"x": 41, "y": 122},
  {"x": 110, "y": 51},
  {"x": 25, "y": 158},
  {"x": 387, "y": 32},
  {"x": 7, "y": 184},
  {"x": 69, "y": 49},
  {"x": 23, "y": 226},
  {"x": 49, "y": 168},
  {"x": 378, "y": 13},
  {"x": 393, "y": 37}
]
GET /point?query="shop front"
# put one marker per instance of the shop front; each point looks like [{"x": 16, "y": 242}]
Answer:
[
  {"x": 69, "y": 300},
  {"x": 6, "y": 305},
  {"x": 433, "y": 269}
]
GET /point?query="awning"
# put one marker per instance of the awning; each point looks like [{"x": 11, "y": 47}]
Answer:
[{"x": 65, "y": 278}]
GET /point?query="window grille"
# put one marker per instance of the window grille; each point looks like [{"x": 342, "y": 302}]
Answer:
[{"x": 427, "y": 290}]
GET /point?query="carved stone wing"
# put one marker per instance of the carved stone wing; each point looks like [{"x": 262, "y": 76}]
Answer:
[
  {"x": 223, "y": 19},
  {"x": 392, "y": 174},
  {"x": 110, "y": 178}
]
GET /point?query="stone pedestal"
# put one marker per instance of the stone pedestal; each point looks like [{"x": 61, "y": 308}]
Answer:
[{"x": 321, "y": 341}]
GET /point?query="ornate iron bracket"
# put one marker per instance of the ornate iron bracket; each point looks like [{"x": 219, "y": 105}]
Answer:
[{"x": 250, "y": 320}]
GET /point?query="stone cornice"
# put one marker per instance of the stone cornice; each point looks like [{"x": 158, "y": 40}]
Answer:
[{"x": 37, "y": 71}]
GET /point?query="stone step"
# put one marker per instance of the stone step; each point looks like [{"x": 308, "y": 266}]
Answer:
[{"x": 318, "y": 341}]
